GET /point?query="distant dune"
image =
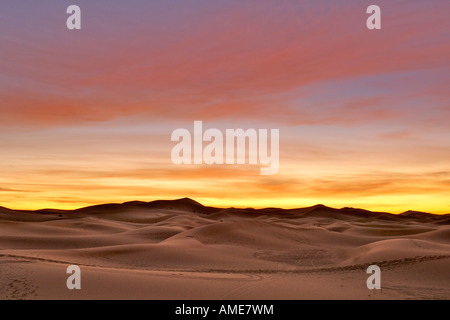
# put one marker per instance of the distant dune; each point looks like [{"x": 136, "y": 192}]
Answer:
[{"x": 181, "y": 249}]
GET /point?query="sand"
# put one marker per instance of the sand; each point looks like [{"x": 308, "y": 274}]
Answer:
[{"x": 183, "y": 250}]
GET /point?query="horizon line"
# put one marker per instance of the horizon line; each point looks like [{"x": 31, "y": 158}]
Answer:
[{"x": 220, "y": 207}]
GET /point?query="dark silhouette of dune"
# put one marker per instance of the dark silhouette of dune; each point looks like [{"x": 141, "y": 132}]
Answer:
[
  {"x": 190, "y": 205},
  {"x": 179, "y": 204},
  {"x": 415, "y": 214}
]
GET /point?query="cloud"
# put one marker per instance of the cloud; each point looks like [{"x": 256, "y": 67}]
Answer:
[
  {"x": 238, "y": 63},
  {"x": 13, "y": 190}
]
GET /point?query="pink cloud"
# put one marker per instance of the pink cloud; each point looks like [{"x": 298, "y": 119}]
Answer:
[{"x": 237, "y": 64}]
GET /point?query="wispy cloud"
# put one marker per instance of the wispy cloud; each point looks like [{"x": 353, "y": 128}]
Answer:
[{"x": 217, "y": 67}]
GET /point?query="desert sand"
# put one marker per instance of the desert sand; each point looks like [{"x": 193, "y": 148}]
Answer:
[{"x": 182, "y": 250}]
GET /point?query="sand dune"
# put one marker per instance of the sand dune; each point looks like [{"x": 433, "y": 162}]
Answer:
[{"x": 183, "y": 250}]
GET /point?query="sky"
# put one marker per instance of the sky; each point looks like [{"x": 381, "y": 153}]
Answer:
[{"x": 86, "y": 116}]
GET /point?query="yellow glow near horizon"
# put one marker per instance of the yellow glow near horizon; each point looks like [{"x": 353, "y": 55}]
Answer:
[{"x": 428, "y": 204}]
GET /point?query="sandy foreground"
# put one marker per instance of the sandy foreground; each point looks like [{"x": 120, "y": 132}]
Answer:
[{"x": 182, "y": 250}]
